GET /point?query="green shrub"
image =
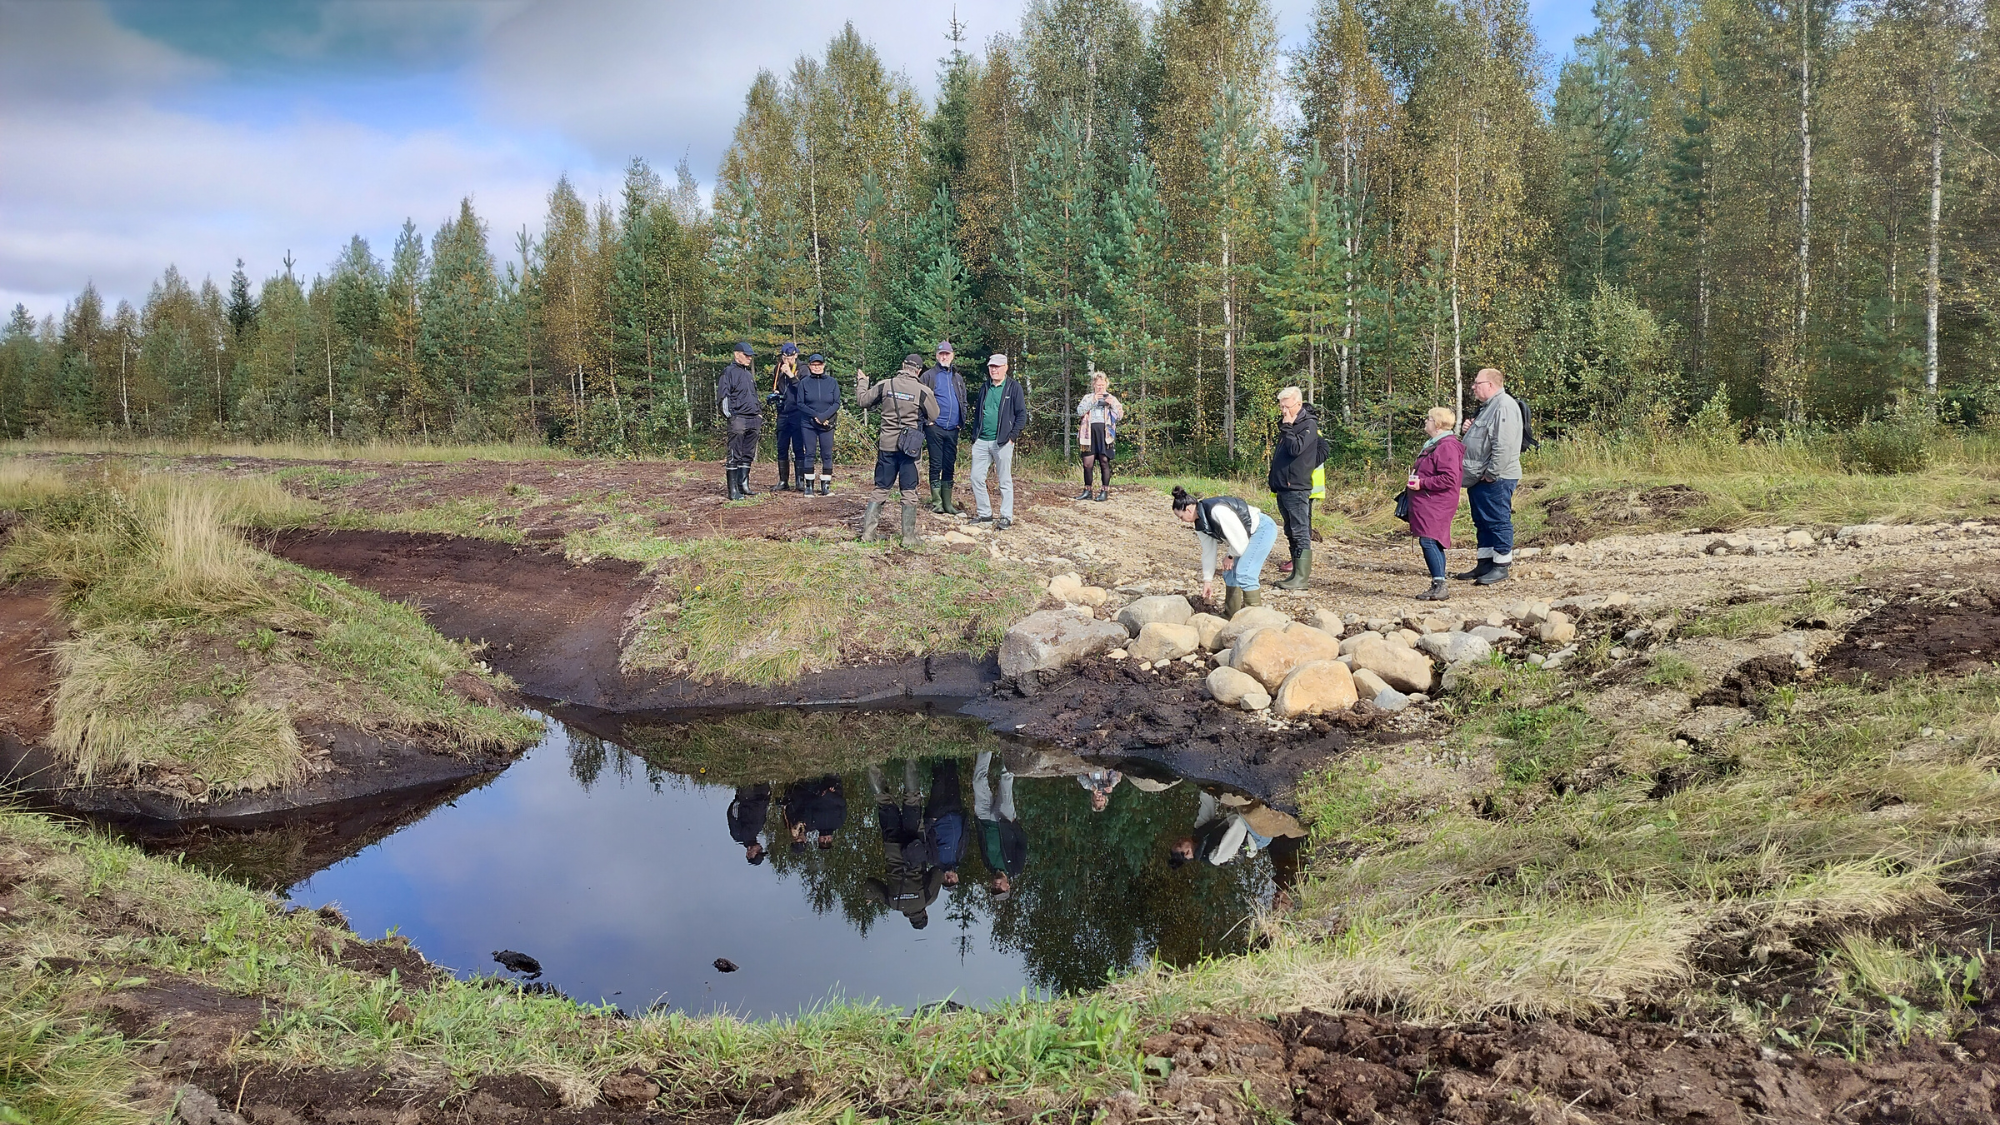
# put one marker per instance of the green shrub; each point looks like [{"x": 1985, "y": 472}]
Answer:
[{"x": 1899, "y": 443}]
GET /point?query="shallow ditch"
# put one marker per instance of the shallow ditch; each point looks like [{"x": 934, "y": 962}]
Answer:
[{"x": 622, "y": 867}]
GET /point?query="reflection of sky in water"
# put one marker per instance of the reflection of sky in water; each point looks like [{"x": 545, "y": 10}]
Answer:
[{"x": 628, "y": 890}]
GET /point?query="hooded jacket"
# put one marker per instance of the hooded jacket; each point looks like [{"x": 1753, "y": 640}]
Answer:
[{"x": 1300, "y": 450}]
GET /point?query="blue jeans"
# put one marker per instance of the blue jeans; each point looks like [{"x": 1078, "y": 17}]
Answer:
[
  {"x": 1433, "y": 556},
  {"x": 1243, "y": 572},
  {"x": 1492, "y": 504}
]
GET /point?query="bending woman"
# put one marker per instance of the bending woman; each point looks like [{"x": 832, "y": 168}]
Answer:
[{"x": 1227, "y": 522}]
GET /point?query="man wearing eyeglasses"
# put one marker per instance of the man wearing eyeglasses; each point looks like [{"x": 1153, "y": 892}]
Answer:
[{"x": 1492, "y": 470}]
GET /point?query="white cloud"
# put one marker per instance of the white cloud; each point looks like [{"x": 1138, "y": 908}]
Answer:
[
  {"x": 630, "y": 78},
  {"x": 71, "y": 52}
]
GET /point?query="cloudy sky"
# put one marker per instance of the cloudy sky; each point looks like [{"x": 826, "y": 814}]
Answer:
[{"x": 134, "y": 133}]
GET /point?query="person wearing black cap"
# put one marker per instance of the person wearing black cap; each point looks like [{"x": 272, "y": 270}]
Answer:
[
  {"x": 736, "y": 393},
  {"x": 941, "y": 437},
  {"x": 819, "y": 408},
  {"x": 747, "y": 814},
  {"x": 791, "y": 417},
  {"x": 907, "y": 407},
  {"x": 817, "y": 805}
]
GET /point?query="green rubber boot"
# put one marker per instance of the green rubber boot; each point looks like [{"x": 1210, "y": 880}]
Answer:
[
  {"x": 937, "y": 500},
  {"x": 1302, "y": 568},
  {"x": 950, "y": 508},
  {"x": 869, "y": 519},
  {"x": 910, "y": 540},
  {"x": 1252, "y": 597},
  {"x": 1232, "y": 601}
]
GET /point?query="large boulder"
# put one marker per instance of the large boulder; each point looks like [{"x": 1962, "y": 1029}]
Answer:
[
  {"x": 1209, "y": 626},
  {"x": 1316, "y": 687},
  {"x": 1170, "y": 608},
  {"x": 1349, "y": 644},
  {"x": 1229, "y": 686},
  {"x": 1055, "y": 637},
  {"x": 1454, "y": 647},
  {"x": 1248, "y": 618},
  {"x": 1159, "y": 641},
  {"x": 1271, "y": 654},
  {"x": 1400, "y": 666}
]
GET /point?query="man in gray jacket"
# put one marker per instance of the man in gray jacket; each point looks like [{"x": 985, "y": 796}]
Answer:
[
  {"x": 907, "y": 407},
  {"x": 1492, "y": 470}
]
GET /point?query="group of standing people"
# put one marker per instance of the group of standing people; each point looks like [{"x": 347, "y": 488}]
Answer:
[{"x": 927, "y": 411}]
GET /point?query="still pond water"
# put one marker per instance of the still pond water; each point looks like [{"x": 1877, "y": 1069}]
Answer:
[{"x": 624, "y": 869}]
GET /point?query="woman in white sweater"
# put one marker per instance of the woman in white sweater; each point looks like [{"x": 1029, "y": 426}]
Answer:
[{"x": 1226, "y": 522}]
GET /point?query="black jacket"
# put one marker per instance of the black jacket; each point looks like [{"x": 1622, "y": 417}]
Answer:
[
  {"x": 748, "y": 812},
  {"x": 788, "y": 393},
  {"x": 819, "y": 803},
  {"x": 736, "y": 392},
  {"x": 911, "y": 882},
  {"x": 1013, "y": 411},
  {"x": 1299, "y": 451},
  {"x": 819, "y": 397},
  {"x": 931, "y": 377}
]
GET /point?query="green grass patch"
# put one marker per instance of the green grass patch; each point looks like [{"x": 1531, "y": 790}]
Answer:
[
  {"x": 1764, "y": 618},
  {"x": 470, "y": 517},
  {"x": 767, "y": 612},
  {"x": 195, "y": 657}
]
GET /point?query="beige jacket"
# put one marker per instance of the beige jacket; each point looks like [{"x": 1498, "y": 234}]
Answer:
[{"x": 905, "y": 403}]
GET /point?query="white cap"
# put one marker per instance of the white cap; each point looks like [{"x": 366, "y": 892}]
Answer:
[{"x": 997, "y": 359}]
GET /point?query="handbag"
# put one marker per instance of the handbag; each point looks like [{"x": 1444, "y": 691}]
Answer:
[
  {"x": 910, "y": 443},
  {"x": 1403, "y": 505}
]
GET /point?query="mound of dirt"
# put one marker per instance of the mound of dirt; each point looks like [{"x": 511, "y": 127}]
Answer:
[
  {"x": 1314, "y": 1067},
  {"x": 1948, "y": 632},
  {"x": 1749, "y": 683},
  {"x": 1111, "y": 710},
  {"x": 1580, "y": 516}
]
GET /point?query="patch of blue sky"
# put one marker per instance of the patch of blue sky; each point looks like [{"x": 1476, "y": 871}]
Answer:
[{"x": 286, "y": 36}]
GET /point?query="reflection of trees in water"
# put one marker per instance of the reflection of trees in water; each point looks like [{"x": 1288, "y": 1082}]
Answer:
[{"x": 1097, "y": 896}]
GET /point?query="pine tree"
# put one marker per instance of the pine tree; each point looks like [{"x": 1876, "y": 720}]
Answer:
[
  {"x": 1132, "y": 319},
  {"x": 1302, "y": 287}
]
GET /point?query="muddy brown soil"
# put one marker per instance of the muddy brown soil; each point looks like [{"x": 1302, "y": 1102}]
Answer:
[
  {"x": 30, "y": 624},
  {"x": 1111, "y": 710},
  {"x": 1314, "y": 1067},
  {"x": 1582, "y": 516},
  {"x": 1948, "y": 626},
  {"x": 557, "y": 627}
]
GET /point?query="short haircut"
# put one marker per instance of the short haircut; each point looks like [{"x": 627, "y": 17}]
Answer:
[
  {"x": 1499, "y": 378},
  {"x": 1291, "y": 392},
  {"x": 1443, "y": 416}
]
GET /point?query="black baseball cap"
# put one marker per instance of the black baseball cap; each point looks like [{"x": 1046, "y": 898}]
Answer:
[
  {"x": 789, "y": 348},
  {"x": 815, "y": 358},
  {"x": 744, "y": 347}
]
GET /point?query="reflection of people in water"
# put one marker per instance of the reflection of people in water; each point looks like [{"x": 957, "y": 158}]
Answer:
[
  {"x": 1100, "y": 783},
  {"x": 944, "y": 815},
  {"x": 1242, "y": 827},
  {"x": 1286, "y": 852},
  {"x": 911, "y": 880},
  {"x": 747, "y": 814},
  {"x": 815, "y": 805},
  {"x": 1002, "y": 842}
]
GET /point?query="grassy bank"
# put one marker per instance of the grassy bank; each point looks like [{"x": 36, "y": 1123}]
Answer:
[
  {"x": 391, "y": 451},
  {"x": 194, "y": 658},
  {"x": 134, "y": 922}
]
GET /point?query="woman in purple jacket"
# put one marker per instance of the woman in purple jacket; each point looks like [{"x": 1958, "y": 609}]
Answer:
[{"x": 1433, "y": 487}]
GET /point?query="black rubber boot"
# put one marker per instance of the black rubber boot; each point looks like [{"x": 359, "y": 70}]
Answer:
[
  {"x": 869, "y": 518},
  {"x": 910, "y": 540},
  {"x": 825, "y": 484},
  {"x": 1477, "y": 572},
  {"x": 1103, "y": 494},
  {"x": 743, "y": 483},
  {"x": 1439, "y": 591},
  {"x": 1232, "y": 600},
  {"x": 1495, "y": 576},
  {"x": 784, "y": 477},
  {"x": 1302, "y": 568},
  {"x": 735, "y": 483}
]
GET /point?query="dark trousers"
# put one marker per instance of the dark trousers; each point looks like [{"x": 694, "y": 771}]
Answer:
[
  {"x": 1433, "y": 556},
  {"x": 895, "y": 469},
  {"x": 1296, "y": 506},
  {"x": 1492, "y": 504},
  {"x": 943, "y": 445},
  {"x": 813, "y": 440},
  {"x": 791, "y": 441},
  {"x": 743, "y": 440},
  {"x": 900, "y": 824}
]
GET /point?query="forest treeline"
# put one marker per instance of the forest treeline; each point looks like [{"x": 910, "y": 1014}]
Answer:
[{"x": 1788, "y": 208}]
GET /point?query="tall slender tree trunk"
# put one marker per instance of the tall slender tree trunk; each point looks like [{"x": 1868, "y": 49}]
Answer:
[
  {"x": 1794, "y": 405},
  {"x": 1931, "y": 260},
  {"x": 1457, "y": 337},
  {"x": 124, "y": 398},
  {"x": 1228, "y": 345},
  {"x": 329, "y": 384}
]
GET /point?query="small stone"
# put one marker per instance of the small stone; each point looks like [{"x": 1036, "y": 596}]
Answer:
[
  {"x": 1229, "y": 686},
  {"x": 1619, "y": 652},
  {"x": 1115, "y": 654},
  {"x": 1493, "y": 634},
  {"x": 1404, "y": 669},
  {"x": 1408, "y": 637},
  {"x": 1537, "y": 659},
  {"x": 1145, "y": 666},
  {"x": 1170, "y": 608},
  {"x": 1453, "y": 648},
  {"x": 1330, "y": 623},
  {"x": 1389, "y": 699},
  {"x": 1367, "y": 684},
  {"x": 1256, "y": 700},
  {"x": 1159, "y": 642},
  {"x": 1382, "y": 625},
  {"x": 1557, "y": 632},
  {"x": 1417, "y": 697}
]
